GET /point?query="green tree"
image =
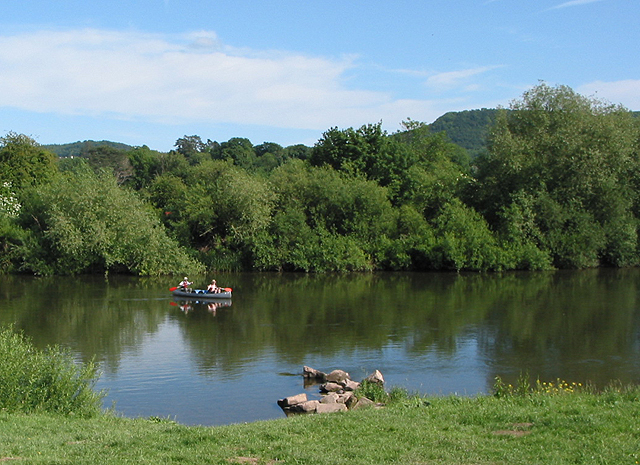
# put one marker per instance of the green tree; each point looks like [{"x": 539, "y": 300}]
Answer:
[
  {"x": 24, "y": 163},
  {"x": 168, "y": 194},
  {"x": 11, "y": 235},
  {"x": 84, "y": 222},
  {"x": 464, "y": 241},
  {"x": 575, "y": 160},
  {"x": 299, "y": 151},
  {"x": 325, "y": 220},
  {"x": 355, "y": 151},
  {"x": 240, "y": 150},
  {"x": 110, "y": 158},
  {"x": 193, "y": 149},
  {"x": 145, "y": 164}
]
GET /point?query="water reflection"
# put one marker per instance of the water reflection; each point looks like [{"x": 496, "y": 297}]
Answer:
[
  {"x": 430, "y": 332},
  {"x": 211, "y": 306}
]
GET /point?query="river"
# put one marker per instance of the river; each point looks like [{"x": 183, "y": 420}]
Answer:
[{"x": 432, "y": 333}]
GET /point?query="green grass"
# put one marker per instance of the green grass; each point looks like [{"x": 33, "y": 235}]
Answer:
[{"x": 583, "y": 427}]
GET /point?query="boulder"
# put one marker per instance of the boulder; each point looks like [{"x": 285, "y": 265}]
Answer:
[
  {"x": 331, "y": 387},
  {"x": 361, "y": 402},
  {"x": 351, "y": 385},
  {"x": 338, "y": 376},
  {"x": 309, "y": 406},
  {"x": 331, "y": 398},
  {"x": 330, "y": 408},
  {"x": 375, "y": 377},
  {"x": 292, "y": 400},
  {"x": 313, "y": 374}
]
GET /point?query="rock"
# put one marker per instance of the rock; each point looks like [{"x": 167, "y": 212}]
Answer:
[
  {"x": 292, "y": 400},
  {"x": 375, "y": 377},
  {"x": 312, "y": 373},
  {"x": 309, "y": 406},
  {"x": 331, "y": 387},
  {"x": 361, "y": 402},
  {"x": 351, "y": 385},
  {"x": 338, "y": 393},
  {"x": 331, "y": 408},
  {"x": 331, "y": 398},
  {"x": 345, "y": 397},
  {"x": 338, "y": 376}
]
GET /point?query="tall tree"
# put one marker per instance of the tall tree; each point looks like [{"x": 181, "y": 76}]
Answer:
[
  {"x": 570, "y": 164},
  {"x": 23, "y": 162}
]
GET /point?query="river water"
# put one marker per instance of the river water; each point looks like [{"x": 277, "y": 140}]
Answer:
[{"x": 432, "y": 333}]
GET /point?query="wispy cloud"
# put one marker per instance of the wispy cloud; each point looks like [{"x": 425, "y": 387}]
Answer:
[
  {"x": 573, "y": 3},
  {"x": 192, "y": 78},
  {"x": 627, "y": 91},
  {"x": 446, "y": 80}
]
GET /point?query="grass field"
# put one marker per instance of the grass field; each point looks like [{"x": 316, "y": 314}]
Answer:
[{"x": 558, "y": 428}]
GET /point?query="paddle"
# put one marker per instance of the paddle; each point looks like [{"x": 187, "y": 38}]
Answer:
[
  {"x": 173, "y": 288},
  {"x": 228, "y": 289}
]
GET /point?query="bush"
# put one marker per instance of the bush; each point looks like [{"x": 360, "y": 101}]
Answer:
[
  {"x": 82, "y": 223},
  {"x": 372, "y": 391},
  {"x": 33, "y": 380}
]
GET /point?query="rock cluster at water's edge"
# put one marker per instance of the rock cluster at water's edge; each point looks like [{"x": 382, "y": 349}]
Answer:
[{"x": 337, "y": 389}]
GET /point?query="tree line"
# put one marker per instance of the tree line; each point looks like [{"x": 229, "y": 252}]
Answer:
[{"x": 557, "y": 186}]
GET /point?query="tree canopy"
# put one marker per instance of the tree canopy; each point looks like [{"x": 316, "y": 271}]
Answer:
[{"x": 555, "y": 183}]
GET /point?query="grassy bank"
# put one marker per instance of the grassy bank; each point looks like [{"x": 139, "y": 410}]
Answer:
[
  {"x": 50, "y": 414},
  {"x": 541, "y": 427}
]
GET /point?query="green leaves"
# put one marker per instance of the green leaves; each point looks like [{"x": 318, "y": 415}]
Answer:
[
  {"x": 23, "y": 162},
  {"x": 575, "y": 161},
  {"x": 33, "y": 381},
  {"x": 85, "y": 223}
]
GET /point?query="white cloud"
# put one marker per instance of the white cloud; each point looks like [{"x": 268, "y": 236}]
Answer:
[
  {"x": 447, "y": 80},
  {"x": 182, "y": 79},
  {"x": 573, "y": 3},
  {"x": 626, "y": 92}
]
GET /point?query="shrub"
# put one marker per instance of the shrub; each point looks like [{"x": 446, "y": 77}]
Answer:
[
  {"x": 372, "y": 391},
  {"x": 33, "y": 380}
]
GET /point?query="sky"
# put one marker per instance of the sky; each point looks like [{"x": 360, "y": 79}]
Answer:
[{"x": 148, "y": 72}]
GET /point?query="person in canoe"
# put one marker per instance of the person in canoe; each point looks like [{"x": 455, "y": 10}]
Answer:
[
  {"x": 213, "y": 287},
  {"x": 184, "y": 285}
]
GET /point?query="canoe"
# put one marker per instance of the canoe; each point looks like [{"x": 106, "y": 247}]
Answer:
[{"x": 201, "y": 294}]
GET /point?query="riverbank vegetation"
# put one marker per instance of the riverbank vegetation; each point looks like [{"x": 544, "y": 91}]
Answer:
[
  {"x": 35, "y": 381},
  {"x": 556, "y": 186}
]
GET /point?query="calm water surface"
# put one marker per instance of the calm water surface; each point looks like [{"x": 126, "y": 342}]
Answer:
[{"x": 432, "y": 333}]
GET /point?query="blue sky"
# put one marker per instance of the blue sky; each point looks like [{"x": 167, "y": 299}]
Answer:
[{"x": 148, "y": 72}]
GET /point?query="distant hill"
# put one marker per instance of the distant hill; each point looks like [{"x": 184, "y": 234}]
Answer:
[
  {"x": 80, "y": 149},
  {"x": 467, "y": 128}
]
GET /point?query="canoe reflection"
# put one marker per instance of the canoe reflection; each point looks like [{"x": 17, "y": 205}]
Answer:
[{"x": 212, "y": 307}]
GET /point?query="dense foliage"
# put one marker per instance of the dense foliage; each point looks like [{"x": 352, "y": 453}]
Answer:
[
  {"x": 556, "y": 185},
  {"x": 37, "y": 381}
]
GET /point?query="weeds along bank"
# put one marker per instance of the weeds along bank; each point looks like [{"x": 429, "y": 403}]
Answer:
[{"x": 530, "y": 422}]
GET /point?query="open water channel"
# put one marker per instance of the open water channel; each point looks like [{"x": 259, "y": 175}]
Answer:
[{"x": 433, "y": 333}]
